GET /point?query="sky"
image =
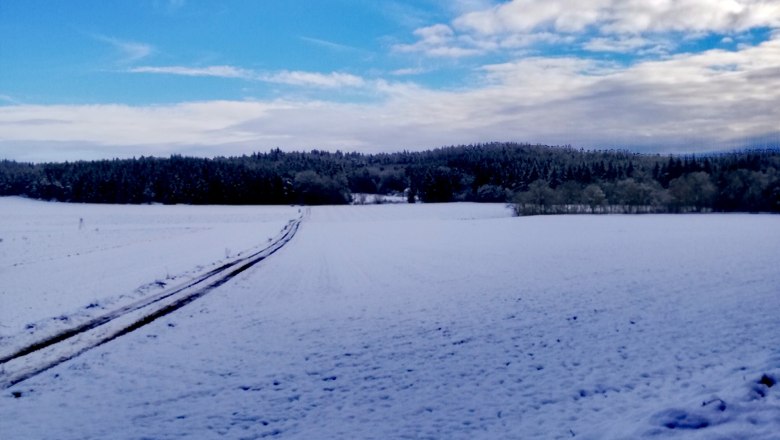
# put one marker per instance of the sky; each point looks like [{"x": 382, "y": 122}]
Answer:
[{"x": 94, "y": 79}]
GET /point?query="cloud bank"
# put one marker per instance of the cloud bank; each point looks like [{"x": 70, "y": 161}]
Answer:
[
  {"x": 663, "y": 100},
  {"x": 705, "y": 101}
]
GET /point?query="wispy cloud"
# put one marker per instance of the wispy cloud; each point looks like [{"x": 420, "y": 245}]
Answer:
[
  {"x": 331, "y": 45},
  {"x": 169, "y": 6},
  {"x": 293, "y": 78},
  {"x": 313, "y": 79},
  {"x": 176, "y": 4},
  {"x": 627, "y": 44},
  {"x": 409, "y": 71},
  {"x": 405, "y": 14},
  {"x": 130, "y": 51},
  {"x": 212, "y": 71},
  {"x": 9, "y": 99}
]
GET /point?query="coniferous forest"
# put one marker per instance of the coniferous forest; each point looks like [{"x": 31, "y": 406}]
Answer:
[{"x": 536, "y": 179}]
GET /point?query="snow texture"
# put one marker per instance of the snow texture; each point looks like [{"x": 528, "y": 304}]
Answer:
[
  {"x": 438, "y": 321},
  {"x": 61, "y": 264}
]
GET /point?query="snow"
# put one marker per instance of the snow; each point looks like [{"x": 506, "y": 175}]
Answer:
[
  {"x": 441, "y": 321},
  {"x": 63, "y": 263}
]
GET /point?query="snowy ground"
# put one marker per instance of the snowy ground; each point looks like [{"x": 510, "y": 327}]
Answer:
[
  {"x": 447, "y": 321},
  {"x": 63, "y": 263}
]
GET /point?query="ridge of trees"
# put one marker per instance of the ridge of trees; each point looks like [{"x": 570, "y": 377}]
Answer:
[{"x": 537, "y": 179}]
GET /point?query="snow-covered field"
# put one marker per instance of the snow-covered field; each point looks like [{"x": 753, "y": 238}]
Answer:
[
  {"x": 63, "y": 263},
  {"x": 413, "y": 321}
]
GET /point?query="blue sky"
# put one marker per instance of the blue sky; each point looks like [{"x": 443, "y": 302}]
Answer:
[
  {"x": 86, "y": 51},
  {"x": 92, "y": 79}
]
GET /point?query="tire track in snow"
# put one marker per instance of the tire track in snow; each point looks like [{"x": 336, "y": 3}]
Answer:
[{"x": 51, "y": 351}]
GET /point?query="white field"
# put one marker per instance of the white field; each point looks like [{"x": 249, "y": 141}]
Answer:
[
  {"x": 62, "y": 263},
  {"x": 415, "y": 321}
]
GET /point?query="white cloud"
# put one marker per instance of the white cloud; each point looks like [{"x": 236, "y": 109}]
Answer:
[
  {"x": 605, "y": 25},
  {"x": 331, "y": 45},
  {"x": 293, "y": 78},
  {"x": 623, "y": 16},
  {"x": 624, "y": 44},
  {"x": 409, "y": 71},
  {"x": 528, "y": 15},
  {"x": 439, "y": 41},
  {"x": 214, "y": 71},
  {"x": 516, "y": 41},
  {"x": 313, "y": 79},
  {"x": 131, "y": 51},
  {"x": 685, "y": 102},
  {"x": 199, "y": 123}
]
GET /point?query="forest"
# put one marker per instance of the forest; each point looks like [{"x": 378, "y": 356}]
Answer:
[{"x": 536, "y": 179}]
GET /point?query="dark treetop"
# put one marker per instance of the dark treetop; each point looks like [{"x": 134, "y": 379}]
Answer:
[{"x": 538, "y": 179}]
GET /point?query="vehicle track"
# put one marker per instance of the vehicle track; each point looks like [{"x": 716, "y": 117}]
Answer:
[{"x": 67, "y": 344}]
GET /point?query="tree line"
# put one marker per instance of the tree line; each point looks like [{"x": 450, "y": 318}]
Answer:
[{"x": 537, "y": 179}]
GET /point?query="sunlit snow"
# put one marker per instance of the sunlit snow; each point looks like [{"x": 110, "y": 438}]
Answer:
[{"x": 404, "y": 321}]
